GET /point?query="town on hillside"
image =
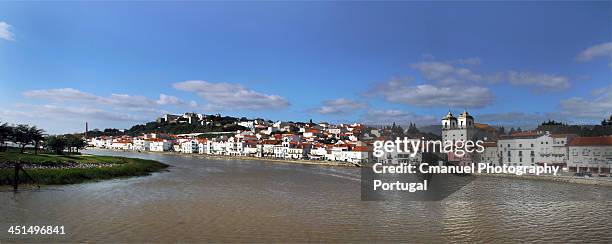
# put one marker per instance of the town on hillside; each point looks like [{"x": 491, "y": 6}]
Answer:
[{"x": 551, "y": 143}]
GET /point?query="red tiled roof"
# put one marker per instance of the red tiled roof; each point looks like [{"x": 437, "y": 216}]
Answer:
[
  {"x": 489, "y": 144},
  {"x": 361, "y": 149},
  {"x": 591, "y": 141}
]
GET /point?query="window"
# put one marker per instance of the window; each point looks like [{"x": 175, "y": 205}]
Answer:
[
  {"x": 508, "y": 153},
  {"x": 531, "y": 160},
  {"x": 508, "y": 160},
  {"x": 520, "y": 153},
  {"x": 532, "y": 153},
  {"x": 520, "y": 159},
  {"x": 520, "y": 145},
  {"x": 531, "y": 144}
]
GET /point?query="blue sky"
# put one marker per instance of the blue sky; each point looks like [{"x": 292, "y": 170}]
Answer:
[{"x": 109, "y": 63}]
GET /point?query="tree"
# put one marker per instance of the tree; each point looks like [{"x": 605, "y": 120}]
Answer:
[
  {"x": 22, "y": 136},
  {"x": 6, "y": 133},
  {"x": 74, "y": 142},
  {"x": 37, "y": 136},
  {"x": 57, "y": 144},
  {"x": 25, "y": 135}
]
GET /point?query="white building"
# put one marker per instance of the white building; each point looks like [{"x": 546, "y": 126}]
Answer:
[
  {"x": 518, "y": 149},
  {"x": 122, "y": 144},
  {"x": 299, "y": 151},
  {"x": 552, "y": 149},
  {"x": 266, "y": 148},
  {"x": 490, "y": 156},
  {"x": 249, "y": 124},
  {"x": 159, "y": 145},
  {"x": 190, "y": 146},
  {"x": 204, "y": 146},
  {"x": 590, "y": 154},
  {"x": 141, "y": 144},
  {"x": 531, "y": 148}
]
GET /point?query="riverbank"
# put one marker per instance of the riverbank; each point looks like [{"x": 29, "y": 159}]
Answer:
[
  {"x": 51, "y": 169},
  {"x": 604, "y": 181},
  {"x": 244, "y": 158}
]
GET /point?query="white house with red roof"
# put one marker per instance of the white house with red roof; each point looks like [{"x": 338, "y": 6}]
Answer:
[{"x": 590, "y": 154}]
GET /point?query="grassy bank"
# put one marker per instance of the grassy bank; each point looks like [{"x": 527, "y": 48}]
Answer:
[{"x": 120, "y": 167}]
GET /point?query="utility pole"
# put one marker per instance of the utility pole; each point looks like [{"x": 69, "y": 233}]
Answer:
[{"x": 18, "y": 168}]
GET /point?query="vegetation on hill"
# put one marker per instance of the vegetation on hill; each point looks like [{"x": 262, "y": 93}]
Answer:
[
  {"x": 215, "y": 124},
  {"x": 580, "y": 130},
  {"x": 185, "y": 128}
]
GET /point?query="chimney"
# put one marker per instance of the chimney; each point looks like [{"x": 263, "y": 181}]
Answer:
[{"x": 86, "y": 129}]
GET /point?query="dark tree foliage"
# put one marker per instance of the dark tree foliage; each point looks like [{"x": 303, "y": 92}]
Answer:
[
  {"x": 216, "y": 123},
  {"x": 580, "y": 130},
  {"x": 56, "y": 144}
]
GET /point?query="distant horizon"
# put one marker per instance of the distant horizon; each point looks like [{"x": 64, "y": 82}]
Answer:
[{"x": 403, "y": 124}]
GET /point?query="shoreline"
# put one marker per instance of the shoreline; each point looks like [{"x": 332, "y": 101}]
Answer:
[
  {"x": 556, "y": 178},
  {"x": 563, "y": 179},
  {"x": 243, "y": 158}
]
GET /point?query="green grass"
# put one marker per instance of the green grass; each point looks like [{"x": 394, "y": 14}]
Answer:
[{"x": 122, "y": 167}]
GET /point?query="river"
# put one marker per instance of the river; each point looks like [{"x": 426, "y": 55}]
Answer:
[{"x": 202, "y": 199}]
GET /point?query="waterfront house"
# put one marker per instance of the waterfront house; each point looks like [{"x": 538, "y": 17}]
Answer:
[
  {"x": 141, "y": 144},
  {"x": 190, "y": 146},
  {"x": 590, "y": 154},
  {"x": 159, "y": 145}
]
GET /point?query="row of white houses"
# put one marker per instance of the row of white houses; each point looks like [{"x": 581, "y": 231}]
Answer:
[
  {"x": 578, "y": 154},
  {"x": 289, "y": 147}
]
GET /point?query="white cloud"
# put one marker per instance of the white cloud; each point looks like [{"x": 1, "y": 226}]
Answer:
[
  {"x": 384, "y": 117},
  {"x": 340, "y": 106},
  {"x": 5, "y": 32},
  {"x": 231, "y": 96},
  {"x": 172, "y": 100},
  {"x": 598, "y": 106},
  {"x": 539, "y": 82},
  {"x": 446, "y": 73},
  {"x": 125, "y": 100},
  {"x": 67, "y": 95},
  {"x": 452, "y": 73},
  {"x": 468, "y": 61},
  {"x": 69, "y": 105},
  {"x": 65, "y": 112},
  {"x": 603, "y": 49},
  {"x": 427, "y": 95},
  {"x": 61, "y": 94}
]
